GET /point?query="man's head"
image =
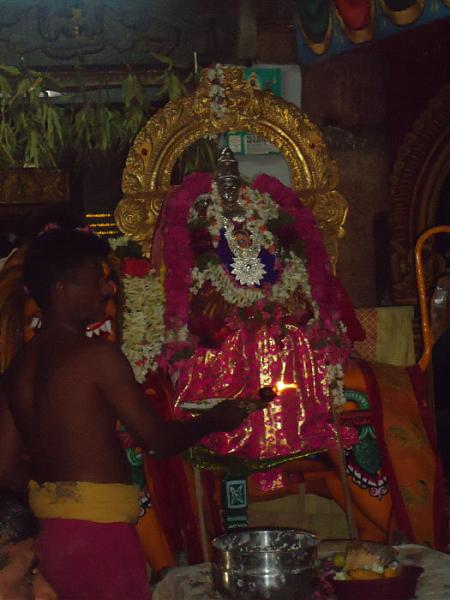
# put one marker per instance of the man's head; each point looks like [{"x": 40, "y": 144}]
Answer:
[
  {"x": 63, "y": 267},
  {"x": 36, "y": 221},
  {"x": 18, "y": 530}
]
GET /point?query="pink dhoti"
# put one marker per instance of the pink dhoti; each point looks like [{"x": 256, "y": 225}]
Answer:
[
  {"x": 84, "y": 560},
  {"x": 88, "y": 547}
]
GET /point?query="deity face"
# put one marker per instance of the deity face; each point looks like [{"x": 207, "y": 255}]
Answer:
[
  {"x": 229, "y": 189},
  {"x": 228, "y": 182}
]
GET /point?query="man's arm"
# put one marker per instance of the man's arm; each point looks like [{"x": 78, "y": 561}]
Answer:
[
  {"x": 118, "y": 386},
  {"x": 13, "y": 469}
]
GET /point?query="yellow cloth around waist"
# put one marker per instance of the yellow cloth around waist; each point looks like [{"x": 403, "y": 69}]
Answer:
[{"x": 98, "y": 502}]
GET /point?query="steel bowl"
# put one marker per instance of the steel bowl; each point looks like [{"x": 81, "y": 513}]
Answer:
[{"x": 276, "y": 564}]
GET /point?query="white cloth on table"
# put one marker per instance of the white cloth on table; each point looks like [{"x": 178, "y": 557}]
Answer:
[
  {"x": 187, "y": 583},
  {"x": 195, "y": 583}
]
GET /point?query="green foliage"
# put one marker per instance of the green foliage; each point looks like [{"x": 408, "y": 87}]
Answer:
[
  {"x": 200, "y": 156},
  {"x": 96, "y": 127},
  {"x": 31, "y": 131},
  {"x": 37, "y": 131},
  {"x": 135, "y": 113}
]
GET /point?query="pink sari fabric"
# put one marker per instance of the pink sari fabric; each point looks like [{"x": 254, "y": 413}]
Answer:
[
  {"x": 296, "y": 421},
  {"x": 84, "y": 560}
]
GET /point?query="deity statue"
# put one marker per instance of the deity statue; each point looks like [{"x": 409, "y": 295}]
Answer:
[
  {"x": 250, "y": 301},
  {"x": 249, "y": 282}
]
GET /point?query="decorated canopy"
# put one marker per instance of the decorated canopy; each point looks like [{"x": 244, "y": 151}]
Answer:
[{"x": 333, "y": 26}]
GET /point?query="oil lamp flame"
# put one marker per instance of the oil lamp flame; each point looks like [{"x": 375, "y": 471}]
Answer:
[{"x": 280, "y": 386}]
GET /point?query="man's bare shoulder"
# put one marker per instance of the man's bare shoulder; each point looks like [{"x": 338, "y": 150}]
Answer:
[
  {"x": 108, "y": 367},
  {"x": 102, "y": 353}
]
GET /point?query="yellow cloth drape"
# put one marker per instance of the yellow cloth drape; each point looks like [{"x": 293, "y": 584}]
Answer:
[
  {"x": 389, "y": 335},
  {"x": 98, "y": 502}
]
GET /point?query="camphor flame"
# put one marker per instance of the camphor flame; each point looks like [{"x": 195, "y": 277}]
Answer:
[{"x": 280, "y": 386}]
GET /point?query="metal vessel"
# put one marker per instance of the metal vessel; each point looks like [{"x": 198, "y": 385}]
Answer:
[{"x": 275, "y": 564}]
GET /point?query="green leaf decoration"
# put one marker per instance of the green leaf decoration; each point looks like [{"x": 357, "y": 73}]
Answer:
[
  {"x": 12, "y": 71},
  {"x": 38, "y": 130},
  {"x": 367, "y": 456},
  {"x": 162, "y": 58}
]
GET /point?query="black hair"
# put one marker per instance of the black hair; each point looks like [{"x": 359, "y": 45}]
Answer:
[
  {"x": 55, "y": 252},
  {"x": 35, "y": 222},
  {"x": 17, "y": 522}
]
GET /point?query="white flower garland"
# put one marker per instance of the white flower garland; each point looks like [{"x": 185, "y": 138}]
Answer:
[
  {"x": 335, "y": 380},
  {"x": 216, "y": 92},
  {"x": 119, "y": 242},
  {"x": 294, "y": 276},
  {"x": 143, "y": 323},
  {"x": 258, "y": 209}
]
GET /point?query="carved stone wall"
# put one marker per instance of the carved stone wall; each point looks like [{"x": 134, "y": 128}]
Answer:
[
  {"x": 110, "y": 32},
  {"x": 94, "y": 32},
  {"x": 345, "y": 96}
]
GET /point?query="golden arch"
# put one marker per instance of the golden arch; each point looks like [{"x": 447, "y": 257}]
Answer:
[{"x": 147, "y": 174}]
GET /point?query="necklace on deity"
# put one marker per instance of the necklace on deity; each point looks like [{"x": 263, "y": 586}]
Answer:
[{"x": 246, "y": 267}]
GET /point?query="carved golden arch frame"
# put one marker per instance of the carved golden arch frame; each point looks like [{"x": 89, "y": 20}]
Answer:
[
  {"x": 147, "y": 174},
  {"x": 422, "y": 165}
]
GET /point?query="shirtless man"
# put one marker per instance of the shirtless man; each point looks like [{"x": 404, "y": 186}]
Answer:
[{"x": 65, "y": 393}]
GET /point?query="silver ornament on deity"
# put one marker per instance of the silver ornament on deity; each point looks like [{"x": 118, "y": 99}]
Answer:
[
  {"x": 248, "y": 271},
  {"x": 246, "y": 267}
]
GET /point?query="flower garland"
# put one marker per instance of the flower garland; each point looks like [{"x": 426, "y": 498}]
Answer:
[
  {"x": 258, "y": 209},
  {"x": 143, "y": 328},
  {"x": 273, "y": 211},
  {"x": 294, "y": 275},
  {"x": 177, "y": 253},
  {"x": 317, "y": 259},
  {"x": 155, "y": 325},
  {"x": 216, "y": 91}
]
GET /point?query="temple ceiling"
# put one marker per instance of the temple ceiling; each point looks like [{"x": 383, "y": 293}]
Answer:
[{"x": 92, "y": 33}]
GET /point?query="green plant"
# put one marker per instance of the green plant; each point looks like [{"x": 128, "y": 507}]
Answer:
[
  {"x": 31, "y": 131},
  {"x": 135, "y": 109},
  {"x": 36, "y": 130}
]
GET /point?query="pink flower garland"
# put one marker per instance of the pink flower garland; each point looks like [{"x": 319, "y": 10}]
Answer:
[
  {"x": 179, "y": 260},
  {"x": 317, "y": 259},
  {"x": 178, "y": 256}
]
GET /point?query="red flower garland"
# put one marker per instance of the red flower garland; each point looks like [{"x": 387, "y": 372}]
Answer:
[
  {"x": 135, "y": 267},
  {"x": 179, "y": 259},
  {"x": 178, "y": 255},
  {"x": 317, "y": 259}
]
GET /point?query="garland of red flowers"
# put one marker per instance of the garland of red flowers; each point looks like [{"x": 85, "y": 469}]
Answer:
[
  {"x": 317, "y": 259},
  {"x": 178, "y": 256},
  {"x": 179, "y": 260}
]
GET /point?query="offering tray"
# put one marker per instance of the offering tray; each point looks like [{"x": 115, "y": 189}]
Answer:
[{"x": 346, "y": 577}]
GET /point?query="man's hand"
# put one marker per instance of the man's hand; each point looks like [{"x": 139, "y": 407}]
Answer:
[{"x": 226, "y": 415}]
